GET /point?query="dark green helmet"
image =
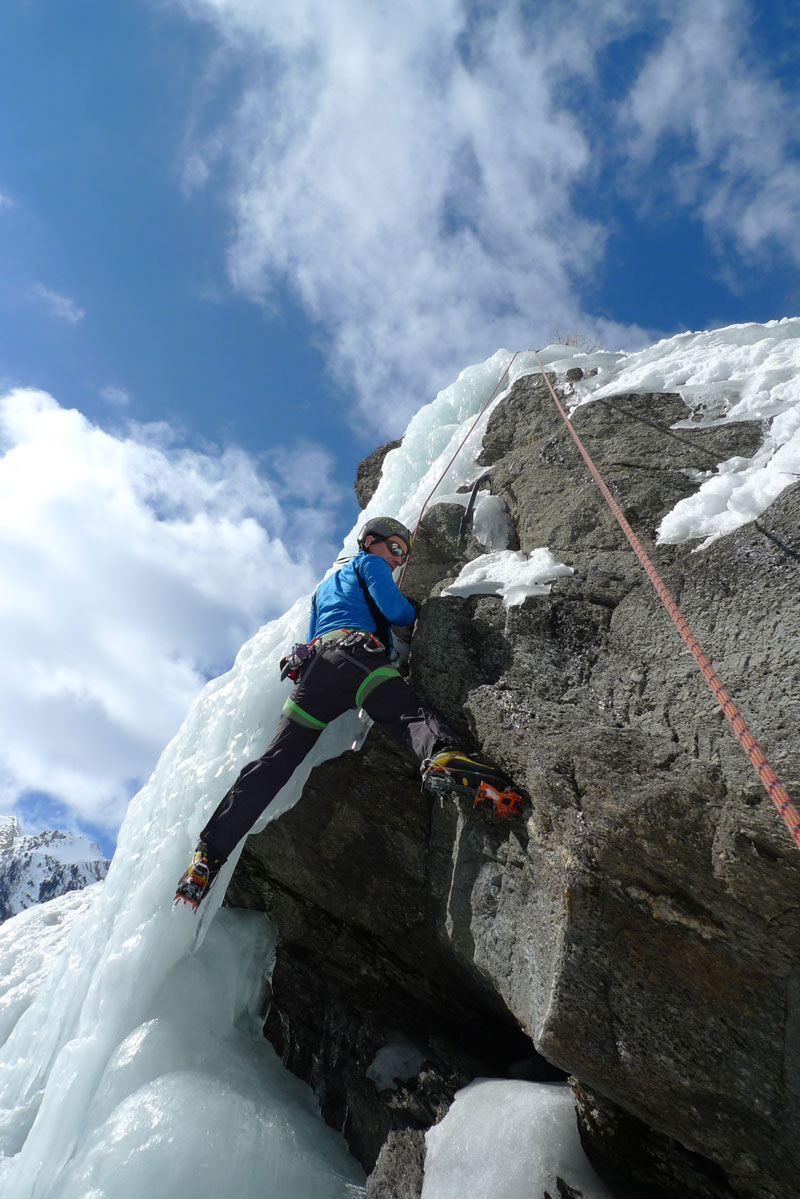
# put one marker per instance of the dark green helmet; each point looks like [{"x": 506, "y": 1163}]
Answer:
[{"x": 383, "y": 527}]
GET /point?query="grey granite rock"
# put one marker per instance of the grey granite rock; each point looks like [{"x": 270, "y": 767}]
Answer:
[
  {"x": 400, "y": 1169},
  {"x": 368, "y": 473},
  {"x": 639, "y": 927}
]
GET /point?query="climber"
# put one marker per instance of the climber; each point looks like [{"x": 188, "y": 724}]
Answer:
[{"x": 345, "y": 664}]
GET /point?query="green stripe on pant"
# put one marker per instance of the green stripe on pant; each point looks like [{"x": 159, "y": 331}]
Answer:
[
  {"x": 374, "y": 680},
  {"x": 296, "y": 713}
]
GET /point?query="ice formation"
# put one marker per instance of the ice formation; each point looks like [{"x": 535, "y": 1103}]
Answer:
[
  {"x": 509, "y": 573},
  {"x": 508, "y": 1140}
]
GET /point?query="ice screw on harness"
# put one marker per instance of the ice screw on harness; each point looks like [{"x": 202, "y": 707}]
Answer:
[{"x": 294, "y": 661}]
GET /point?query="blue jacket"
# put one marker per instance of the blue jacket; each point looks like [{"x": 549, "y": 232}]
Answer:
[{"x": 340, "y": 603}]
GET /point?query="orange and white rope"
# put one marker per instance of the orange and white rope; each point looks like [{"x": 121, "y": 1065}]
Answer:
[{"x": 758, "y": 759}]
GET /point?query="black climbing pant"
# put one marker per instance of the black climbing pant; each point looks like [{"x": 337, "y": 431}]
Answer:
[{"x": 334, "y": 680}]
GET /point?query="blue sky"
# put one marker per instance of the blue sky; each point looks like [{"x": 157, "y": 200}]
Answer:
[{"x": 242, "y": 241}]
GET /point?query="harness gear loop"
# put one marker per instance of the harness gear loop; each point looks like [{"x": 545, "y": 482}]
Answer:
[{"x": 758, "y": 759}]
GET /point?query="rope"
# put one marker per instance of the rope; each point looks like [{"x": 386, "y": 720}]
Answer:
[
  {"x": 758, "y": 759},
  {"x": 455, "y": 455}
]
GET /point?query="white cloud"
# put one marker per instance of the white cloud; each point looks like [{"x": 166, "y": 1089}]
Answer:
[
  {"x": 423, "y": 175},
  {"x": 195, "y": 173},
  {"x": 6, "y": 201},
  {"x": 418, "y": 203},
  {"x": 131, "y": 571},
  {"x": 118, "y": 397},
  {"x": 57, "y": 305},
  {"x": 705, "y": 110}
]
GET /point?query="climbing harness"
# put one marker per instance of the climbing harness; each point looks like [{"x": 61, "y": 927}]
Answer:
[
  {"x": 301, "y": 652},
  {"x": 758, "y": 759}
]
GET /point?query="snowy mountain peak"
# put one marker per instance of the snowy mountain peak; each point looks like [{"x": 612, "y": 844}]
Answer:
[
  {"x": 36, "y": 868},
  {"x": 9, "y": 831}
]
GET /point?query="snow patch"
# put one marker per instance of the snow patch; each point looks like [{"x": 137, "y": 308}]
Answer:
[
  {"x": 491, "y": 523},
  {"x": 745, "y": 372},
  {"x": 395, "y": 1062},
  {"x": 511, "y": 574}
]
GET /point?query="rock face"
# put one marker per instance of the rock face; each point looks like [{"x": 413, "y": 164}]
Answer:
[
  {"x": 639, "y": 928},
  {"x": 368, "y": 473},
  {"x": 36, "y": 868}
]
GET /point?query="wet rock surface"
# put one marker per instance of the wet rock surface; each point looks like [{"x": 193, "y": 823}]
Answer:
[{"x": 640, "y": 927}]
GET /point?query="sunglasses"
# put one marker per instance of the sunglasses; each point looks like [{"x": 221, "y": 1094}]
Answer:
[{"x": 395, "y": 548}]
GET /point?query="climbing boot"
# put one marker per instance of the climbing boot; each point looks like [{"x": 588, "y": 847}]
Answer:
[
  {"x": 200, "y": 876},
  {"x": 452, "y": 772}
]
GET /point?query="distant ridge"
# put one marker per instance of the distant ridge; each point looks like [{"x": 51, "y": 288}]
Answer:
[{"x": 36, "y": 868}]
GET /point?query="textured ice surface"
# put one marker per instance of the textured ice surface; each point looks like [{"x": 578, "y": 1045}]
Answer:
[
  {"x": 193, "y": 1097},
  {"x": 508, "y": 1140}
]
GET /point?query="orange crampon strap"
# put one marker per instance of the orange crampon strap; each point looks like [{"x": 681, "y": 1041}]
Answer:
[{"x": 505, "y": 803}]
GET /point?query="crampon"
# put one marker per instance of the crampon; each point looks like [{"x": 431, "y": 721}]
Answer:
[
  {"x": 199, "y": 878},
  {"x": 505, "y": 803},
  {"x": 455, "y": 774}
]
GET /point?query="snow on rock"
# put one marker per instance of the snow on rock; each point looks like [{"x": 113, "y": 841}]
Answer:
[
  {"x": 741, "y": 373},
  {"x": 510, "y": 1139},
  {"x": 742, "y": 488},
  {"x": 397, "y": 1061},
  {"x": 491, "y": 523},
  {"x": 37, "y": 868},
  {"x": 509, "y": 573}
]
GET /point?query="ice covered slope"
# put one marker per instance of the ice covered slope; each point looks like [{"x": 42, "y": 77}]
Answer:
[
  {"x": 131, "y": 1056},
  {"x": 193, "y": 1100},
  {"x": 36, "y": 868}
]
